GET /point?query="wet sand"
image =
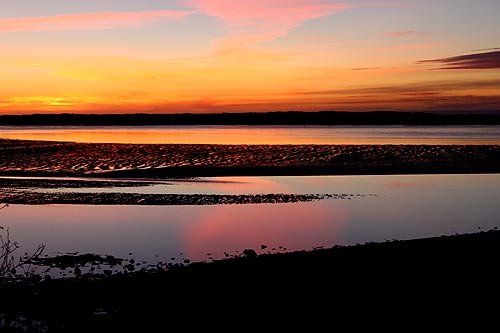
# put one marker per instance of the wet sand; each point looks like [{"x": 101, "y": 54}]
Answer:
[
  {"x": 39, "y": 158},
  {"x": 39, "y": 198}
]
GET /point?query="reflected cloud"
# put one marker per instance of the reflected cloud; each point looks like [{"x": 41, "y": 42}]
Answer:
[
  {"x": 292, "y": 226},
  {"x": 399, "y": 184}
]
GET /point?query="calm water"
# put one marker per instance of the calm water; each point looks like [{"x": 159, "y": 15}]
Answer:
[
  {"x": 405, "y": 207},
  {"x": 262, "y": 134}
]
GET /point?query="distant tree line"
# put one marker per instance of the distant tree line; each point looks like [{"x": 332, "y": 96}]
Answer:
[{"x": 257, "y": 118}]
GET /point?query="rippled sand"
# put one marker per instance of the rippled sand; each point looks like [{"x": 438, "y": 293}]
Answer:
[{"x": 172, "y": 160}]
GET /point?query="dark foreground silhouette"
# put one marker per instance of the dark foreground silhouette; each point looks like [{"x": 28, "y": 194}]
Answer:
[
  {"x": 479, "y": 117},
  {"x": 279, "y": 291}
]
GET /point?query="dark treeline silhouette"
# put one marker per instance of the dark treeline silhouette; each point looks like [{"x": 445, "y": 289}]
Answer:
[{"x": 255, "y": 118}]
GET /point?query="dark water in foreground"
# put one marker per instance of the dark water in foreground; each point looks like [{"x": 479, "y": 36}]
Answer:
[{"x": 404, "y": 207}]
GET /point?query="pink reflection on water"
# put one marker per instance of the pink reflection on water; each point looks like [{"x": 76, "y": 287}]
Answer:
[
  {"x": 397, "y": 184},
  {"x": 242, "y": 185},
  {"x": 293, "y": 226},
  {"x": 407, "y": 207}
]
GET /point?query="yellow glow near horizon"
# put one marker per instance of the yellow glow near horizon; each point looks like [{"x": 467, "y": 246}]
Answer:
[{"x": 225, "y": 56}]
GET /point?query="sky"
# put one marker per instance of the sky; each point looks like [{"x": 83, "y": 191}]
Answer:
[{"x": 176, "y": 56}]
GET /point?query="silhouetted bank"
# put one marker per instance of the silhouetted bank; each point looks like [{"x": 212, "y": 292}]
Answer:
[
  {"x": 485, "y": 117},
  {"x": 313, "y": 288}
]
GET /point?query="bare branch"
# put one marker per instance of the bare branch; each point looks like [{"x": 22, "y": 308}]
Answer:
[{"x": 8, "y": 265}]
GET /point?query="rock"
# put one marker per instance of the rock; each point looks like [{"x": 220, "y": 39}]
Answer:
[{"x": 249, "y": 253}]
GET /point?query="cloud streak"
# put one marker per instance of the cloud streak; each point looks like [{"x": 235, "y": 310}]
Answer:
[
  {"x": 487, "y": 49},
  {"x": 88, "y": 21},
  {"x": 487, "y": 60},
  {"x": 420, "y": 89},
  {"x": 257, "y": 21},
  {"x": 283, "y": 14},
  {"x": 366, "y": 68},
  {"x": 400, "y": 33}
]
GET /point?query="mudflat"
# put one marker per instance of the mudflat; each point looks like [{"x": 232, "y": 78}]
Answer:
[{"x": 42, "y": 158}]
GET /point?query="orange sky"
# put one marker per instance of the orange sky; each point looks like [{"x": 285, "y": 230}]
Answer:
[{"x": 112, "y": 56}]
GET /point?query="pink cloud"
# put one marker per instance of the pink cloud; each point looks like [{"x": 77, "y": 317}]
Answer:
[
  {"x": 268, "y": 12},
  {"x": 89, "y": 21},
  {"x": 256, "y": 21}
]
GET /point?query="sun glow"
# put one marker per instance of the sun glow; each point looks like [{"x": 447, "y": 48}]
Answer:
[{"x": 224, "y": 56}]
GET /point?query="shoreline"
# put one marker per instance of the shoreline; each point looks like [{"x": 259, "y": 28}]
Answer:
[{"x": 281, "y": 284}]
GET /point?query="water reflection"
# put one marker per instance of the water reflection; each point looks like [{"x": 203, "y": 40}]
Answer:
[
  {"x": 209, "y": 185},
  {"x": 406, "y": 207},
  {"x": 261, "y": 134},
  {"x": 288, "y": 225}
]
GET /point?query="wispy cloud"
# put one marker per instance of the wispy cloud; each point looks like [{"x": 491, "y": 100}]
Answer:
[
  {"x": 366, "y": 68},
  {"x": 257, "y": 21},
  {"x": 40, "y": 101},
  {"x": 400, "y": 33},
  {"x": 88, "y": 21},
  {"x": 487, "y": 49},
  {"x": 420, "y": 88},
  {"x": 488, "y": 60},
  {"x": 276, "y": 14}
]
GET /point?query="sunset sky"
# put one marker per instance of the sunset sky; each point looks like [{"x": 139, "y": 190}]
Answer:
[{"x": 164, "y": 56}]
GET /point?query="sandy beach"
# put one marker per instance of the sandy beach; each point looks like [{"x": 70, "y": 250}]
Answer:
[{"x": 39, "y": 158}]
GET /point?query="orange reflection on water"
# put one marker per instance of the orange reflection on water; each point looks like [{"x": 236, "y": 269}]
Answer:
[
  {"x": 292, "y": 226},
  {"x": 261, "y": 135},
  {"x": 179, "y": 136}
]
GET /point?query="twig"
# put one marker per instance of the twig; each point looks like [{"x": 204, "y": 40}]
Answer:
[{"x": 8, "y": 265}]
